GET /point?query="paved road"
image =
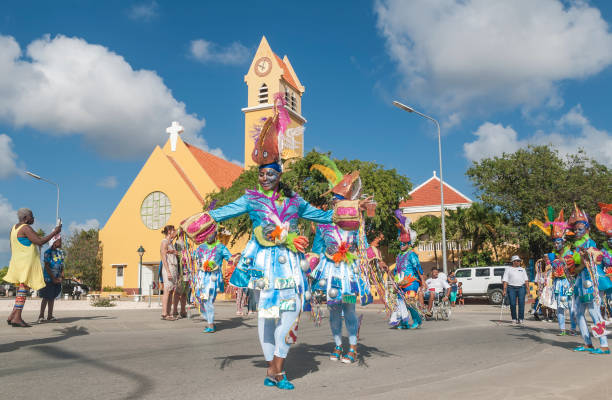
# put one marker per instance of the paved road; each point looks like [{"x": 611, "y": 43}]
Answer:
[{"x": 132, "y": 354}]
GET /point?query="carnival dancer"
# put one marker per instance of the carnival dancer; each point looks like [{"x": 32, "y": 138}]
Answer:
[
  {"x": 338, "y": 275},
  {"x": 273, "y": 260},
  {"x": 208, "y": 258},
  {"x": 557, "y": 229},
  {"x": 587, "y": 284},
  {"x": 408, "y": 275},
  {"x": 603, "y": 221}
]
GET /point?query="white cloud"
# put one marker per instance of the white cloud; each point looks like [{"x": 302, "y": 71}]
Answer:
[
  {"x": 8, "y": 218},
  {"x": 8, "y": 159},
  {"x": 574, "y": 132},
  {"x": 206, "y": 51},
  {"x": 85, "y": 226},
  {"x": 144, "y": 11},
  {"x": 66, "y": 86},
  {"x": 110, "y": 182},
  {"x": 481, "y": 55}
]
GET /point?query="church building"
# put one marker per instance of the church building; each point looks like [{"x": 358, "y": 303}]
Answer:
[{"x": 176, "y": 178}]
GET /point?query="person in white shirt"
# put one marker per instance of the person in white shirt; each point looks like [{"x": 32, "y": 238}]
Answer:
[
  {"x": 516, "y": 285},
  {"x": 438, "y": 285}
]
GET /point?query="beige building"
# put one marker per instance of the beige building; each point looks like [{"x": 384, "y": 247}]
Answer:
[
  {"x": 176, "y": 178},
  {"x": 425, "y": 200}
]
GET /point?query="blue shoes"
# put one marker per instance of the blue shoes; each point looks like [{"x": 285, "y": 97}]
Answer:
[
  {"x": 600, "y": 351},
  {"x": 582, "y": 348},
  {"x": 415, "y": 325},
  {"x": 209, "y": 330},
  {"x": 269, "y": 381},
  {"x": 283, "y": 384},
  {"x": 335, "y": 355}
]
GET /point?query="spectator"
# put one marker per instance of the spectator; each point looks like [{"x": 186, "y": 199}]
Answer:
[
  {"x": 169, "y": 271},
  {"x": 183, "y": 286},
  {"x": 460, "y": 300},
  {"x": 252, "y": 300},
  {"x": 436, "y": 287},
  {"x": 241, "y": 300},
  {"x": 77, "y": 291},
  {"x": 24, "y": 268},
  {"x": 53, "y": 273},
  {"x": 516, "y": 285},
  {"x": 452, "y": 280}
]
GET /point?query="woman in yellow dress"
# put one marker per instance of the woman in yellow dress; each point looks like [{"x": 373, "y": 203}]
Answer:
[{"x": 25, "y": 269}]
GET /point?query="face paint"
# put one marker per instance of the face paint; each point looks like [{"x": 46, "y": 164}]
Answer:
[
  {"x": 404, "y": 246},
  {"x": 610, "y": 240},
  {"x": 581, "y": 230},
  {"x": 558, "y": 244},
  {"x": 269, "y": 178}
]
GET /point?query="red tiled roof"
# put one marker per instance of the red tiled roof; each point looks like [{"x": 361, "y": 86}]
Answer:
[
  {"x": 222, "y": 172},
  {"x": 186, "y": 179},
  {"x": 286, "y": 73},
  {"x": 428, "y": 194}
]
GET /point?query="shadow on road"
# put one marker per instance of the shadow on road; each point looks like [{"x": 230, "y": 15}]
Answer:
[
  {"x": 232, "y": 323},
  {"x": 144, "y": 384},
  {"x": 531, "y": 333},
  {"x": 304, "y": 358},
  {"x": 65, "y": 333},
  {"x": 74, "y": 319}
]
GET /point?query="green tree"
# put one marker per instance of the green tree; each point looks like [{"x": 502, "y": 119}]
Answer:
[
  {"x": 84, "y": 257},
  {"x": 386, "y": 185},
  {"x": 429, "y": 227},
  {"x": 522, "y": 184},
  {"x": 3, "y": 273}
]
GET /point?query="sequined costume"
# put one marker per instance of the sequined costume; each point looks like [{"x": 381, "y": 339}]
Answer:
[{"x": 208, "y": 258}]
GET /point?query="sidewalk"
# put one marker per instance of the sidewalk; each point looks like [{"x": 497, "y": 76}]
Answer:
[{"x": 6, "y": 305}]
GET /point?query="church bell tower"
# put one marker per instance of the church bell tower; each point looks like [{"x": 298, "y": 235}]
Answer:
[{"x": 268, "y": 75}]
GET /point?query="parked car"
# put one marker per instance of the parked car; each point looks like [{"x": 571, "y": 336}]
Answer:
[
  {"x": 482, "y": 282},
  {"x": 68, "y": 286},
  {"x": 8, "y": 290}
]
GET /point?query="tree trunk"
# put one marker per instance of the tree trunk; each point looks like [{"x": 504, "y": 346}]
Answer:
[{"x": 435, "y": 254}]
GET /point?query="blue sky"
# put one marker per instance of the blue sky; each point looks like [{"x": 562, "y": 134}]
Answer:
[{"x": 87, "y": 88}]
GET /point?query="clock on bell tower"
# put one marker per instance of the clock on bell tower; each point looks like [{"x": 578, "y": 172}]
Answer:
[{"x": 268, "y": 75}]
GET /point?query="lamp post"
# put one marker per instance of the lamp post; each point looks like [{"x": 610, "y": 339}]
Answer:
[
  {"x": 412, "y": 110},
  {"x": 37, "y": 177},
  {"x": 141, "y": 252}
]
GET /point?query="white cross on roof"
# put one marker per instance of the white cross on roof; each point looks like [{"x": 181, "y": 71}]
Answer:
[{"x": 174, "y": 130}]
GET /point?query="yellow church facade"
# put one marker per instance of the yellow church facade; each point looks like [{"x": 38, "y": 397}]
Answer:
[{"x": 176, "y": 178}]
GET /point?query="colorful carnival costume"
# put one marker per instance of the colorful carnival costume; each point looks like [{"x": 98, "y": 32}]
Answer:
[
  {"x": 337, "y": 274},
  {"x": 208, "y": 259},
  {"x": 273, "y": 260},
  {"x": 556, "y": 269},
  {"x": 408, "y": 275},
  {"x": 587, "y": 285},
  {"x": 603, "y": 221}
]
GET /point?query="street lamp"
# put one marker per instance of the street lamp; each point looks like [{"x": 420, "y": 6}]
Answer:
[
  {"x": 33, "y": 175},
  {"x": 141, "y": 252},
  {"x": 412, "y": 110}
]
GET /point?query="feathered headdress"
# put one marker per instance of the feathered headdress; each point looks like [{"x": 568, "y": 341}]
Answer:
[
  {"x": 603, "y": 220},
  {"x": 578, "y": 216},
  {"x": 348, "y": 186},
  {"x": 269, "y": 138},
  {"x": 406, "y": 235},
  {"x": 556, "y": 228}
]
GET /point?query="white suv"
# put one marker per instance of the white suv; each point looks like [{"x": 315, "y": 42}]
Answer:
[{"x": 482, "y": 281}]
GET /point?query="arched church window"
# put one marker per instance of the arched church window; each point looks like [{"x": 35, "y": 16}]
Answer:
[
  {"x": 155, "y": 210},
  {"x": 263, "y": 94}
]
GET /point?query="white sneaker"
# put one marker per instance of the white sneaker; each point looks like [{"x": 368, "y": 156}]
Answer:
[
  {"x": 515, "y": 322},
  {"x": 521, "y": 322}
]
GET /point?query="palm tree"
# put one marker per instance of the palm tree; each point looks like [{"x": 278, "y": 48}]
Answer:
[{"x": 429, "y": 226}]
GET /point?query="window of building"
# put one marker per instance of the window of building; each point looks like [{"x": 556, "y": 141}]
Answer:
[
  {"x": 287, "y": 98},
  {"x": 293, "y": 103},
  {"x": 155, "y": 210},
  {"x": 119, "y": 272},
  {"x": 263, "y": 94},
  {"x": 483, "y": 272}
]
